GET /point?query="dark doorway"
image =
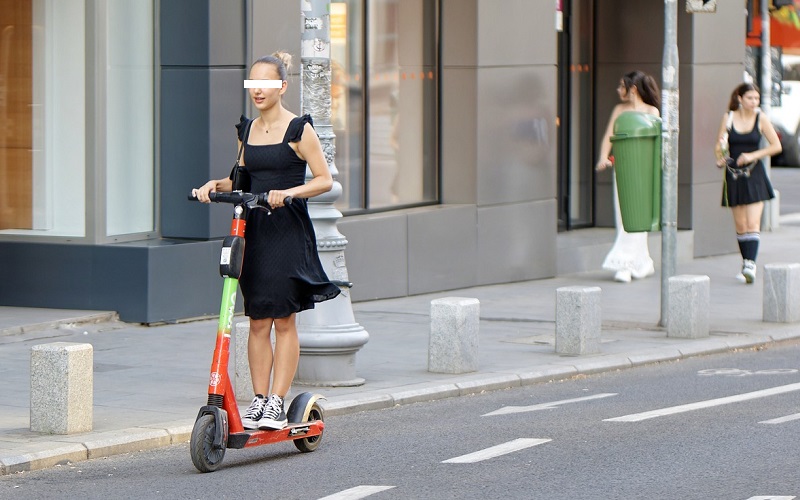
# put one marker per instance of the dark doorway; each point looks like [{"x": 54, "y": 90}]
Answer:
[{"x": 575, "y": 115}]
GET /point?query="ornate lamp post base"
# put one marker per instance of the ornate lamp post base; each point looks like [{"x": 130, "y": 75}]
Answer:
[
  {"x": 330, "y": 360},
  {"x": 329, "y": 334}
]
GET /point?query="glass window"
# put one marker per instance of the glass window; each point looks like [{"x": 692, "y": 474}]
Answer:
[
  {"x": 129, "y": 118},
  {"x": 42, "y": 112},
  {"x": 385, "y": 157},
  {"x": 402, "y": 102},
  {"x": 347, "y": 100},
  {"x": 43, "y": 106}
]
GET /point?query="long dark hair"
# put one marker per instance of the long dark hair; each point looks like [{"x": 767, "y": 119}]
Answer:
[
  {"x": 738, "y": 92},
  {"x": 645, "y": 84}
]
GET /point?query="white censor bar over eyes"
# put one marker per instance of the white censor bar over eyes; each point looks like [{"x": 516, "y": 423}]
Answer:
[{"x": 263, "y": 84}]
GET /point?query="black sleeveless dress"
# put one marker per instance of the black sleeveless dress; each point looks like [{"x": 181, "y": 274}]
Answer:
[
  {"x": 745, "y": 190},
  {"x": 282, "y": 273}
]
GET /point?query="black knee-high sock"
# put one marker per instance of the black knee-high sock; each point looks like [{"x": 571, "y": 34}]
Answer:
[{"x": 748, "y": 245}]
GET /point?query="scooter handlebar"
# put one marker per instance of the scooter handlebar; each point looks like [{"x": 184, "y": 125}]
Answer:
[
  {"x": 238, "y": 197},
  {"x": 261, "y": 200}
]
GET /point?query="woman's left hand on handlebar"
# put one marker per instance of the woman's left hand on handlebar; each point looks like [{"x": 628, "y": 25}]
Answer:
[{"x": 276, "y": 197}]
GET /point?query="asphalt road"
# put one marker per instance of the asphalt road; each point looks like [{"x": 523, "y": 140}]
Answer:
[{"x": 721, "y": 427}]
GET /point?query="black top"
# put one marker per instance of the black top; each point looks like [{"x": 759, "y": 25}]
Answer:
[
  {"x": 282, "y": 273},
  {"x": 749, "y": 185},
  {"x": 744, "y": 142}
]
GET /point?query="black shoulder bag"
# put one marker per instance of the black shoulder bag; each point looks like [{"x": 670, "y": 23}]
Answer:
[{"x": 239, "y": 174}]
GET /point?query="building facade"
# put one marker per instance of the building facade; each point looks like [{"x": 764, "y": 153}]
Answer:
[{"x": 467, "y": 132}]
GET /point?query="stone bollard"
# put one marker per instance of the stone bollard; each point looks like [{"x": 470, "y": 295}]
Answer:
[
  {"x": 689, "y": 300},
  {"x": 453, "y": 341},
  {"x": 242, "y": 383},
  {"x": 578, "y": 320},
  {"x": 781, "y": 301},
  {"x": 62, "y": 378}
]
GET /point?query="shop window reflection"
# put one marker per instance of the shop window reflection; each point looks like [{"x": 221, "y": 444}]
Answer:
[
  {"x": 347, "y": 113},
  {"x": 385, "y": 161}
]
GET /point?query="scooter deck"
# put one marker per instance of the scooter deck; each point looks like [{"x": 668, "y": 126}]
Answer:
[{"x": 295, "y": 430}]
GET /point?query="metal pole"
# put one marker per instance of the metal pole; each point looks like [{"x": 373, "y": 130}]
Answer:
[
  {"x": 329, "y": 334},
  {"x": 766, "y": 99},
  {"x": 669, "y": 135}
]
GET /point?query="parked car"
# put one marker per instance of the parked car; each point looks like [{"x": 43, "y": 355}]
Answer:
[
  {"x": 790, "y": 156},
  {"x": 786, "y": 117}
]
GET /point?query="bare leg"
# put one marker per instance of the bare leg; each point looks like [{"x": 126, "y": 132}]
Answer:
[
  {"x": 259, "y": 354},
  {"x": 754, "y": 211},
  {"x": 287, "y": 354},
  {"x": 747, "y": 218}
]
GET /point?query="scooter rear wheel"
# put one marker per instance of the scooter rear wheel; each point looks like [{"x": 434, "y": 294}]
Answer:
[
  {"x": 309, "y": 444},
  {"x": 205, "y": 457}
]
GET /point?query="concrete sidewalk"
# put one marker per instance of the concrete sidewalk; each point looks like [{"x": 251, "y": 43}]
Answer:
[{"x": 149, "y": 382}]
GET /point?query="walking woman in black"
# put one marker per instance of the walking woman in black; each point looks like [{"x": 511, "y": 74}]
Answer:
[{"x": 746, "y": 184}]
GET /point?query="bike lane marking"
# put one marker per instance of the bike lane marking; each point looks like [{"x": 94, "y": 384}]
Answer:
[
  {"x": 497, "y": 451},
  {"x": 638, "y": 417},
  {"x": 737, "y": 372},
  {"x": 357, "y": 492},
  {"x": 780, "y": 420},
  {"x": 544, "y": 406}
]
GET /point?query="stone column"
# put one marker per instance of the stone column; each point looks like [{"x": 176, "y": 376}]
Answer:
[{"x": 329, "y": 334}]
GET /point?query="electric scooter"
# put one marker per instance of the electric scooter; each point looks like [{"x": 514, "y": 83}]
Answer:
[{"x": 218, "y": 425}]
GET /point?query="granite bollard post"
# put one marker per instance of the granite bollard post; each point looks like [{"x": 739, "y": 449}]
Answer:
[
  {"x": 62, "y": 385},
  {"x": 578, "y": 320},
  {"x": 689, "y": 300},
  {"x": 781, "y": 295},
  {"x": 453, "y": 341}
]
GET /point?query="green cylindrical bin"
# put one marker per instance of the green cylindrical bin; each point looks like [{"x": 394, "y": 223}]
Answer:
[{"x": 636, "y": 145}]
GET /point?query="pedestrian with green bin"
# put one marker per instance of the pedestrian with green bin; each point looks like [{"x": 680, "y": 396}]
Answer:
[
  {"x": 630, "y": 256},
  {"x": 746, "y": 185}
]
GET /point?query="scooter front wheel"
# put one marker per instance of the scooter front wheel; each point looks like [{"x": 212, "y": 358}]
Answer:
[{"x": 205, "y": 457}]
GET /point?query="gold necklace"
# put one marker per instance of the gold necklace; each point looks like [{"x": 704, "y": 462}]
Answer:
[{"x": 266, "y": 128}]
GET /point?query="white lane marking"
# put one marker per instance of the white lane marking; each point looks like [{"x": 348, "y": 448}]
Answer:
[
  {"x": 736, "y": 372},
  {"x": 357, "y": 492},
  {"x": 637, "y": 417},
  {"x": 780, "y": 420},
  {"x": 771, "y": 497},
  {"x": 544, "y": 406},
  {"x": 496, "y": 451}
]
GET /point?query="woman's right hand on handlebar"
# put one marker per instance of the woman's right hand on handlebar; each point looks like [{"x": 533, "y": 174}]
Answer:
[{"x": 202, "y": 192}]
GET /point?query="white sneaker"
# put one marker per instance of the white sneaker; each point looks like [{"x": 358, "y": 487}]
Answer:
[
  {"x": 623, "y": 276},
  {"x": 254, "y": 413},
  {"x": 273, "y": 418},
  {"x": 749, "y": 271},
  {"x": 740, "y": 278}
]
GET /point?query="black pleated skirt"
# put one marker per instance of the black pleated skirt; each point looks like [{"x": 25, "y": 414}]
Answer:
[{"x": 745, "y": 190}]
